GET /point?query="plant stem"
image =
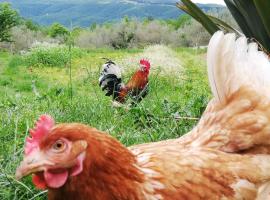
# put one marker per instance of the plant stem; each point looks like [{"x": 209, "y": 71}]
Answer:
[{"x": 70, "y": 55}]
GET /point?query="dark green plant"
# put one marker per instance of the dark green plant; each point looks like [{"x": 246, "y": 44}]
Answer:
[
  {"x": 93, "y": 26},
  {"x": 8, "y": 19},
  {"x": 57, "y": 29},
  {"x": 51, "y": 56},
  {"x": 252, "y": 16},
  {"x": 31, "y": 25},
  {"x": 179, "y": 22}
]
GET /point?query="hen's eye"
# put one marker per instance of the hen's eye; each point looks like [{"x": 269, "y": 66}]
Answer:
[{"x": 59, "y": 145}]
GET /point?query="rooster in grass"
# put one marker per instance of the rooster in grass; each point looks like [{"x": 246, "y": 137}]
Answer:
[
  {"x": 136, "y": 88},
  {"x": 226, "y": 156}
]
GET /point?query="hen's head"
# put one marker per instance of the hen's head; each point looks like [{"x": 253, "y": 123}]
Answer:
[
  {"x": 145, "y": 65},
  {"x": 52, "y": 154},
  {"x": 57, "y": 154}
]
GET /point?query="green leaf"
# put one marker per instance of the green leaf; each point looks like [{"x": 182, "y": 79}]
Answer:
[
  {"x": 263, "y": 10},
  {"x": 247, "y": 17},
  {"x": 239, "y": 18},
  {"x": 193, "y": 10},
  {"x": 223, "y": 25}
]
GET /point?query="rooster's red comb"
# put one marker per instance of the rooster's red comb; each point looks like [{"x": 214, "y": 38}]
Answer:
[
  {"x": 42, "y": 128},
  {"x": 145, "y": 62}
]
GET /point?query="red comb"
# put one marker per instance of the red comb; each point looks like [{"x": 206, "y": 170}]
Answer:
[
  {"x": 145, "y": 62},
  {"x": 42, "y": 128}
]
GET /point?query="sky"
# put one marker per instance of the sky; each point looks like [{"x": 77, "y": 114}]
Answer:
[{"x": 209, "y": 1}]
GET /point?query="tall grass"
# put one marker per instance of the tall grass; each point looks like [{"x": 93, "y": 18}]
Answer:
[{"x": 51, "y": 56}]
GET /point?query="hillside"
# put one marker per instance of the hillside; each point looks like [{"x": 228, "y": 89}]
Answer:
[{"x": 85, "y": 12}]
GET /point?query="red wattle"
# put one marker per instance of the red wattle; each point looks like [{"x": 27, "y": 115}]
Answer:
[
  {"x": 39, "y": 181},
  {"x": 55, "y": 179}
]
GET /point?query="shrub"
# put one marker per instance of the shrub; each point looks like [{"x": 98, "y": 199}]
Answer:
[
  {"x": 126, "y": 34},
  {"x": 51, "y": 56},
  {"x": 130, "y": 33},
  {"x": 193, "y": 34},
  {"x": 101, "y": 36},
  {"x": 23, "y": 39}
]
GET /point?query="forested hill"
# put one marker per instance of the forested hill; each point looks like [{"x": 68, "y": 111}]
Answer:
[{"x": 86, "y": 12}]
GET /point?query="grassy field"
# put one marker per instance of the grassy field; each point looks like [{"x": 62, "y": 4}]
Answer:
[{"x": 29, "y": 91}]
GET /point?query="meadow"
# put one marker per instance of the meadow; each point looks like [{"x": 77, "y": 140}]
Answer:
[{"x": 35, "y": 84}]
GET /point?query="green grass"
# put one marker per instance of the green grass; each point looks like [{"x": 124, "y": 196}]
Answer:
[
  {"x": 50, "y": 56},
  {"x": 27, "y": 92}
]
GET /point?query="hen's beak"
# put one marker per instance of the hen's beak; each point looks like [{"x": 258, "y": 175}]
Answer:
[{"x": 35, "y": 162}]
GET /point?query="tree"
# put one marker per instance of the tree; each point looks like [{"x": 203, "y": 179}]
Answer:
[
  {"x": 57, "y": 29},
  {"x": 179, "y": 22},
  {"x": 148, "y": 19},
  {"x": 126, "y": 19},
  {"x": 8, "y": 19},
  {"x": 31, "y": 25},
  {"x": 93, "y": 26}
]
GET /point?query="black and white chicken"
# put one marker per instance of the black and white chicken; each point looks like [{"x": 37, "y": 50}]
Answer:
[{"x": 136, "y": 88}]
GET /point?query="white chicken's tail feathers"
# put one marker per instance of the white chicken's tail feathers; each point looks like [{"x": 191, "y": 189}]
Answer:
[
  {"x": 233, "y": 63},
  {"x": 110, "y": 68},
  {"x": 110, "y": 78}
]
